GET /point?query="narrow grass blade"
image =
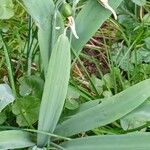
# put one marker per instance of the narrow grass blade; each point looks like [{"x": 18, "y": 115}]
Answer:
[
  {"x": 136, "y": 141},
  {"x": 13, "y": 139},
  {"x": 89, "y": 20},
  {"x": 55, "y": 88},
  {"x": 108, "y": 111}
]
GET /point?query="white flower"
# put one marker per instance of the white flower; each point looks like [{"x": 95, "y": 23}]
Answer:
[
  {"x": 107, "y": 6},
  {"x": 71, "y": 24},
  {"x": 57, "y": 28}
]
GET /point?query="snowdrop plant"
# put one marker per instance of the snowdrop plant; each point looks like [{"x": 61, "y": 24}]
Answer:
[{"x": 55, "y": 45}]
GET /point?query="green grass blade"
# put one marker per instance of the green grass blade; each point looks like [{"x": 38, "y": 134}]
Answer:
[
  {"x": 89, "y": 20},
  {"x": 43, "y": 13},
  {"x": 108, "y": 111},
  {"x": 13, "y": 139},
  {"x": 55, "y": 88},
  {"x": 136, "y": 141}
]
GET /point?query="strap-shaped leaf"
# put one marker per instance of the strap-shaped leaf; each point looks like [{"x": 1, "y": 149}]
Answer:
[
  {"x": 43, "y": 12},
  {"x": 55, "y": 88},
  {"x": 138, "y": 141},
  {"x": 6, "y": 96},
  {"x": 13, "y": 139},
  {"x": 108, "y": 111},
  {"x": 89, "y": 20}
]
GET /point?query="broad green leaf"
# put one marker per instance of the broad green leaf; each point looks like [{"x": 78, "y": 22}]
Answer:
[
  {"x": 147, "y": 42},
  {"x": 31, "y": 85},
  {"x": 121, "y": 56},
  {"x": 6, "y": 96},
  {"x": 106, "y": 112},
  {"x": 139, "y": 2},
  {"x": 73, "y": 93},
  {"x": 55, "y": 88},
  {"x": 98, "y": 84},
  {"x": 43, "y": 14},
  {"x": 6, "y": 9},
  {"x": 137, "y": 117},
  {"x": 71, "y": 104},
  {"x": 107, "y": 94},
  {"x": 90, "y": 104},
  {"x": 76, "y": 92},
  {"x": 72, "y": 98},
  {"x": 3, "y": 117},
  {"x": 14, "y": 139},
  {"x": 89, "y": 20},
  {"x": 146, "y": 18},
  {"x": 142, "y": 56},
  {"x": 26, "y": 110},
  {"x": 136, "y": 141}
]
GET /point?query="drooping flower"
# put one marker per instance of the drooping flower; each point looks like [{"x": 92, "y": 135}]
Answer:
[
  {"x": 71, "y": 24},
  {"x": 107, "y": 6}
]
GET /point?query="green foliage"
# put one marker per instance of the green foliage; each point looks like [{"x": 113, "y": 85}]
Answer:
[
  {"x": 109, "y": 110},
  {"x": 43, "y": 13},
  {"x": 146, "y": 18},
  {"x": 14, "y": 139},
  {"x": 26, "y": 110},
  {"x": 31, "y": 85},
  {"x": 55, "y": 88},
  {"x": 89, "y": 24},
  {"x": 109, "y": 142},
  {"x": 6, "y": 9},
  {"x": 71, "y": 104},
  {"x": 3, "y": 117},
  {"x": 6, "y": 96},
  {"x": 137, "y": 117},
  {"x": 72, "y": 99},
  {"x": 35, "y": 60}
]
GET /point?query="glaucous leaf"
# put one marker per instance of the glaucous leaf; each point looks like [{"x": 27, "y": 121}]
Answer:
[
  {"x": 106, "y": 112},
  {"x": 6, "y": 96},
  {"x": 55, "y": 88},
  {"x": 135, "y": 141},
  {"x": 14, "y": 139}
]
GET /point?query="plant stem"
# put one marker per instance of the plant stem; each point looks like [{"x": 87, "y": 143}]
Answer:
[{"x": 29, "y": 47}]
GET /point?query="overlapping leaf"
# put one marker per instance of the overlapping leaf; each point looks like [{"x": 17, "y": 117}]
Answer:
[
  {"x": 89, "y": 20},
  {"x": 138, "y": 141},
  {"x": 111, "y": 109},
  {"x": 6, "y": 96},
  {"x": 14, "y": 139},
  {"x": 55, "y": 88},
  {"x": 43, "y": 13}
]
